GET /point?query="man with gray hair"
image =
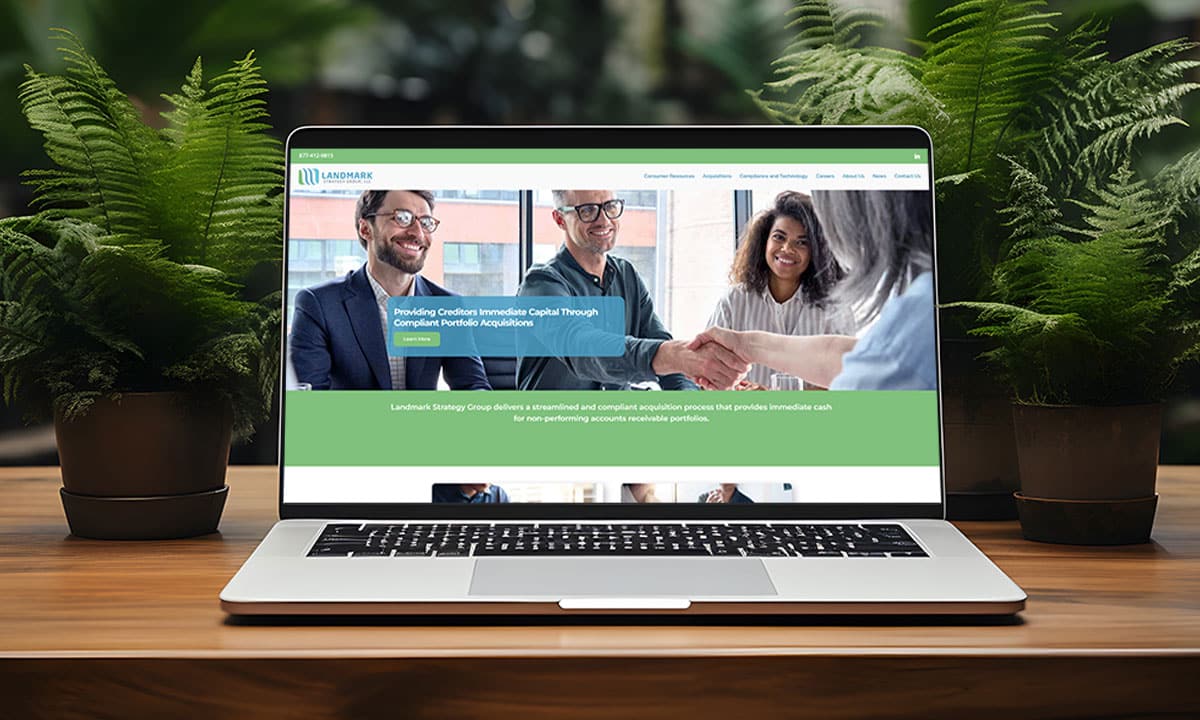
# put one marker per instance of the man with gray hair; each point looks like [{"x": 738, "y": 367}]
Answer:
[
  {"x": 339, "y": 333},
  {"x": 583, "y": 267}
]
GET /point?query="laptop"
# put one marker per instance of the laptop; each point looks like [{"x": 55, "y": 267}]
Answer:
[{"x": 500, "y": 397}]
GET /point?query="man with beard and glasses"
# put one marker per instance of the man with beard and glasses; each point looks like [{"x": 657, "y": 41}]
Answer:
[
  {"x": 591, "y": 222},
  {"x": 339, "y": 333}
]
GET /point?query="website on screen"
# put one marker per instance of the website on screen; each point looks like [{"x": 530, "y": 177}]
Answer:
[{"x": 610, "y": 326}]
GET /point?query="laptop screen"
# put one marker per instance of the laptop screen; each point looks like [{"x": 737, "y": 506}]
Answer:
[{"x": 596, "y": 319}]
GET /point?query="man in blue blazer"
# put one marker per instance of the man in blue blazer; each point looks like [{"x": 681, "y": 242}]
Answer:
[{"x": 338, "y": 333}]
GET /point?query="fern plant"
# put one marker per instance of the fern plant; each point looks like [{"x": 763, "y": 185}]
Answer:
[
  {"x": 994, "y": 79},
  {"x": 135, "y": 273},
  {"x": 1086, "y": 277},
  {"x": 1100, "y": 314}
]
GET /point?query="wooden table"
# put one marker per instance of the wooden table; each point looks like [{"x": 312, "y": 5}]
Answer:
[{"x": 95, "y": 629}]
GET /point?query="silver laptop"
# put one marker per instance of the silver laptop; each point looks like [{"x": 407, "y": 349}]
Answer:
[{"x": 502, "y": 396}]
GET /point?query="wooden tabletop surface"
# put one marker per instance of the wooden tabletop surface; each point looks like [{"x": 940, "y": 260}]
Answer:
[
  {"x": 96, "y": 630},
  {"x": 66, "y": 596}
]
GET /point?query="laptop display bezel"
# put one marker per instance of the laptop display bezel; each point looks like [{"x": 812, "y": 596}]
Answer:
[{"x": 698, "y": 137}]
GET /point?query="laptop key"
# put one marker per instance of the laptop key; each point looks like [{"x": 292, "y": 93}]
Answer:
[{"x": 329, "y": 552}]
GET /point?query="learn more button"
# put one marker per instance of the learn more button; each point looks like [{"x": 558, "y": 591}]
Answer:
[{"x": 416, "y": 339}]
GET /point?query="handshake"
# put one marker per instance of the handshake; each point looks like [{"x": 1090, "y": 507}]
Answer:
[{"x": 715, "y": 359}]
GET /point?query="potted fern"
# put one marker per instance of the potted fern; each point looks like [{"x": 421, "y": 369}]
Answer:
[
  {"x": 1092, "y": 324},
  {"x": 994, "y": 80},
  {"x": 125, "y": 310}
]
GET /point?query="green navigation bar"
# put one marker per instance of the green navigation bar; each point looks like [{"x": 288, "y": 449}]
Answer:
[
  {"x": 608, "y": 156},
  {"x": 510, "y": 428}
]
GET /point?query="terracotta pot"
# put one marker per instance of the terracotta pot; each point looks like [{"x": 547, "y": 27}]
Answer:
[
  {"x": 979, "y": 451},
  {"x": 1087, "y": 473},
  {"x": 146, "y": 466}
]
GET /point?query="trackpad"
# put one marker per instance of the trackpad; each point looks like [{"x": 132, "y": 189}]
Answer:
[{"x": 620, "y": 577}]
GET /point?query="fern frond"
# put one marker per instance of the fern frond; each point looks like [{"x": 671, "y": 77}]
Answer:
[
  {"x": 168, "y": 309},
  {"x": 21, "y": 331},
  {"x": 188, "y": 106},
  {"x": 75, "y": 385},
  {"x": 838, "y": 86},
  {"x": 986, "y": 59},
  {"x": 243, "y": 367},
  {"x": 23, "y": 343},
  {"x": 94, "y": 134},
  {"x": 1181, "y": 179},
  {"x": 229, "y": 365},
  {"x": 1115, "y": 144},
  {"x": 1094, "y": 112},
  {"x": 28, "y": 269},
  {"x": 1187, "y": 271},
  {"x": 222, "y": 161},
  {"x": 1031, "y": 212},
  {"x": 821, "y": 22},
  {"x": 957, "y": 179},
  {"x": 1005, "y": 321},
  {"x": 1125, "y": 207}
]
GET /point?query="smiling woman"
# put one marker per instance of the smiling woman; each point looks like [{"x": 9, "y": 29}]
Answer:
[{"x": 783, "y": 274}]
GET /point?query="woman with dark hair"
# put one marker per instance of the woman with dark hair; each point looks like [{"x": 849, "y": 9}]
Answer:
[
  {"x": 783, "y": 276},
  {"x": 886, "y": 237}
]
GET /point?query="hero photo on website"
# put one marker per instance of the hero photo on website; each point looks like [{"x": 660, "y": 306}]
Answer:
[{"x": 759, "y": 331}]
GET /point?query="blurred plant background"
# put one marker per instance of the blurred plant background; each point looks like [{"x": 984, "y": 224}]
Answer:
[{"x": 488, "y": 62}]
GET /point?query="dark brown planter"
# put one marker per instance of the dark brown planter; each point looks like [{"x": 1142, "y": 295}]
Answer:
[
  {"x": 1087, "y": 473},
  {"x": 979, "y": 452},
  {"x": 147, "y": 466}
]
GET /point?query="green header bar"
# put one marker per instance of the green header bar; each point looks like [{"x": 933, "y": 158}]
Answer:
[
  {"x": 631, "y": 156},
  {"x": 510, "y": 428}
]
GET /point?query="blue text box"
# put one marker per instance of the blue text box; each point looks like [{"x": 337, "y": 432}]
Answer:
[{"x": 462, "y": 326}]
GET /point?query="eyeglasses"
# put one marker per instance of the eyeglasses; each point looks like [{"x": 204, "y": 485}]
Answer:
[
  {"x": 404, "y": 218},
  {"x": 588, "y": 212}
]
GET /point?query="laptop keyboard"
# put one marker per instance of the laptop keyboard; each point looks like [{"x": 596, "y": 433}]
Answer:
[{"x": 558, "y": 539}]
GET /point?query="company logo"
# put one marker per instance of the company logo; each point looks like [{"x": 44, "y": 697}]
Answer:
[{"x": 311, "y": 177}]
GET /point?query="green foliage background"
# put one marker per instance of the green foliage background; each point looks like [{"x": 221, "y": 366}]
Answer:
[{"x": 522, "y": 61}]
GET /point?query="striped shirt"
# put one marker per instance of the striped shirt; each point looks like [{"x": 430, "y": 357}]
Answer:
[
  {"x": 743, "y": 309},
  {"x": 395, "y": 363}
]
